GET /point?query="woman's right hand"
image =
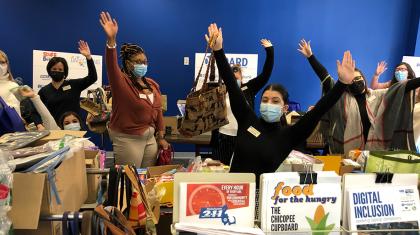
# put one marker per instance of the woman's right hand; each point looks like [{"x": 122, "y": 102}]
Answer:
[
  {"x": 305, "y": 48},
  {"x": 380, "y": 69},
  {"x": 345, "y": 69},
  {"x": 110, "y": 27},
  {"x": 26, "y": 91},
  {"x": 215, "y": 37}
]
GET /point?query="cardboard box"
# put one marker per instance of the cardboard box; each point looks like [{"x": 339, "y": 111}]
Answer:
[
  {"x": 331, "y": 163},
  {"x": 32, "y": 193},
  {"x": 93, "y": 180},
  {"x": 44, "y": 227},
  {"x": 155, "y": 171},
  {"x": 58, "y": 134},
  {"x": 345, "y": 169},
  {"x": 285, "y": 167},
  {"x": 171, "y": 122},
  {"x": 168, "y": 186}
]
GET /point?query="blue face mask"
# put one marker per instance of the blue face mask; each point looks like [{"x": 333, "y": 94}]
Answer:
[
  {"x": 401, "y": 75},
  {"x": 270, "y": 112},
  {"x": 239, "y": 83},
  {"x": 140, "y": 70}
]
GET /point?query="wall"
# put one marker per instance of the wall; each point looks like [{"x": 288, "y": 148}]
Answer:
[{"x": 373, "y": 30}]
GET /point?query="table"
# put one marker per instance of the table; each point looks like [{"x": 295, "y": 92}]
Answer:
[{"x": 199, "y": 141}]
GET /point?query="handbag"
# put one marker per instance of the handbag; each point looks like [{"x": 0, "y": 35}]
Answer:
[
  {"x": 109, "y": 220},
  {"x": 95, "y": 104},
  {"x": 165, "y": 156},
  {"x": 124, "y": 183},
  {"x": 10, "y": 121},
  {"x": 393, "y": 161},
  {"x": 205, "y": 109},
  {"x": 99, "y": 113}
]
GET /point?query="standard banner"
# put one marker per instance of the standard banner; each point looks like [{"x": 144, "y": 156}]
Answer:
[
  {"x": 77, "y": 68},
  {"x": 248, "y": 63}
]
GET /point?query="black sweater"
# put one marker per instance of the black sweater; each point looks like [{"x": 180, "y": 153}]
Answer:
[
  {"x": 253, "y": 86},
  {"x": 261, "y": 147},
  {"x": 67, "y": 97},
  {"x": 328, "y": 82}
]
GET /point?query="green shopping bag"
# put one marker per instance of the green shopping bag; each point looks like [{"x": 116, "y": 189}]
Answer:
[{"x": 393, "y": 161}]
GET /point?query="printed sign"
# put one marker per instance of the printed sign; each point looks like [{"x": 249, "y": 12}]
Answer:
[
  {"x": 287, "y": 206},
  {"x": 378, "y": 208},
  {"x": 248, "y": 63},
  {"x": 414, "y": 62},
  {"x": 224, "y": 204},
  {"x": 77, "y": 68}
]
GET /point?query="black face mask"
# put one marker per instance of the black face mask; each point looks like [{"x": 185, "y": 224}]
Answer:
[
  {"x": 357, "y": 87},
  {"x": 56, "y": 76}
]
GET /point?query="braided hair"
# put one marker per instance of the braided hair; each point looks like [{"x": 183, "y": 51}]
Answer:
[{"x": 127, "y": 51}]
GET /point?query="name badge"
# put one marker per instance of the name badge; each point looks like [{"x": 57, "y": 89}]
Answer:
[
  {"x": 254, "y": 131},
  {"x": 244, "y": 88},
  {"x": 65, "y": 88},
  {"x": 143, "y": 96}
]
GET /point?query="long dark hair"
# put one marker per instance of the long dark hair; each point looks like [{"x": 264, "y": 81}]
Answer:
[
  {"x": 364, "y": 78},
  {"x": 410, "y": 71},
  {"x": 285, "y": 95},
  {"x": 128, "y": 50},
  {"x": 66, "y": 114}
]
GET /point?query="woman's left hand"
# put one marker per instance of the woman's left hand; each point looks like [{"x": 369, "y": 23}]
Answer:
[
  {"x": 163, "y": 144},
  {"x": 84, "y": 49}
]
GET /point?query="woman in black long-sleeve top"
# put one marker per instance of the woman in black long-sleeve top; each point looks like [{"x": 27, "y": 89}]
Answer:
[
  {"x": 263, "y": 143},
  {"x": 224, "y": 139},
  {"x": 63, "y": 95}
]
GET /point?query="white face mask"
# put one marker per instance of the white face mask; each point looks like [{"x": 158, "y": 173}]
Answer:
[
  {"x": 73, "y": 126},
  {"x": 3, "y": 70}
]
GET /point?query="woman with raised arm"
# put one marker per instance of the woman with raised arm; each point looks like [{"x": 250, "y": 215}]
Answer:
[
  {"x": 364, "y": 118},
  {"x": 137, "y": 103},
  {"x": 262, "y": 143},
  {"x": 224, "y": 139},
  {"x": 62, "y": 94}
]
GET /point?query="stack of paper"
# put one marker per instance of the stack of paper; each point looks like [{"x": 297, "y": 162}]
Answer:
[{"x": 217, "y": 230}]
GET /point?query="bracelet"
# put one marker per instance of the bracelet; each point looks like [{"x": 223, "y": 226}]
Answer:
[{"x": 111, "y": 47}]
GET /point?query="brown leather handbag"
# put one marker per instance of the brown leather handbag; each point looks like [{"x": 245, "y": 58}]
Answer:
[{"x": 205, "y": 109}]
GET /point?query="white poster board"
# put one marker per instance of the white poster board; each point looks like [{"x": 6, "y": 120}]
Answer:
[
  {"x": 414, "y": 62},
  {"x": 383, "y": 207},
  {"x": 77, "y": 68},
  {"x": 287, "y": 206},
  {"x": 248, "y": 62}
]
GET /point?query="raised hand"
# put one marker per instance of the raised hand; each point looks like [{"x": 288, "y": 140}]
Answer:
[
  {"x": 266, "y": 43},
  {"x": 380, "y": 69},
  {"x": 214, "y": 37},
  {"x": 84, "y": 49},
  {"x": 110, "y": 27},
  {"x": 345, "y": 69},
  {"x": 305, "y": 48},
  {"x": 26, "y": 91}
]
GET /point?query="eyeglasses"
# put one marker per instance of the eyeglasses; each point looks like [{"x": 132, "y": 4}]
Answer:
[
  {"x": 357, "y": 78},
  {"x": 236, "y": 69},
  {"x": 401, "y": 69}
]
